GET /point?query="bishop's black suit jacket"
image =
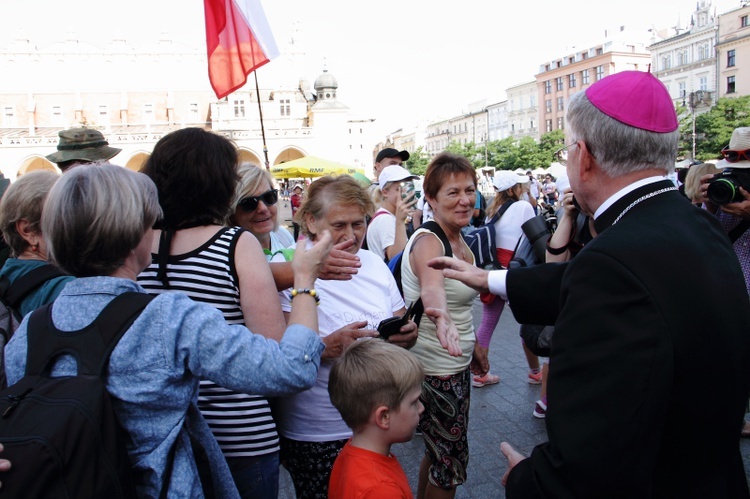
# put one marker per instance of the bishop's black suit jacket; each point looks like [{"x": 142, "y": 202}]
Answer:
[{"x": 650, "y": 362}]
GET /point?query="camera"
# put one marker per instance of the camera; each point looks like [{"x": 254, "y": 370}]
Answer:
[{"x": 725, "y": 186}]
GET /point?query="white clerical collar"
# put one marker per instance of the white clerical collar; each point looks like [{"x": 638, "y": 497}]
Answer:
[{"x": 625, "y": 190}]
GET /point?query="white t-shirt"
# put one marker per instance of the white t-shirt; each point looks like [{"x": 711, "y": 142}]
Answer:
[
  {"x": 381, "y": 232},
  {"x": 371, "y": 295},
  {"x": 426, "y": 209},
  {"x": 508, "y": 228}
]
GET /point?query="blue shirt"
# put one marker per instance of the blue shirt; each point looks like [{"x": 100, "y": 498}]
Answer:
[{"x": 155, "y": 368}]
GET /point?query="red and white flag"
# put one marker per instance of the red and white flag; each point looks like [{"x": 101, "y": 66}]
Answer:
[{"x": 239, "y": 41}]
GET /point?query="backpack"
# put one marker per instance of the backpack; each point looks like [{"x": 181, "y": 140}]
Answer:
[
  {"x": 478, "y": 221},
  {"x": 531, "y": 247},
  {"x": 61, "y": 434},
  {"x": 11, "y": 296},
  {"x": 481, "y": 240},
  {"x": 394, "y": 264}
]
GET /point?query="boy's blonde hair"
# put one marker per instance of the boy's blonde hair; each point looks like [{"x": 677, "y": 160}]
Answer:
[{"x": 369, "y": 374}]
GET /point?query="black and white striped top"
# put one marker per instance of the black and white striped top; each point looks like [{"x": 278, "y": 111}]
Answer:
[{"x": 241, "y": 423}]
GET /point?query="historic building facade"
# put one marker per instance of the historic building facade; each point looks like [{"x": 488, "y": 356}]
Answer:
[{"x": 137, "y": 95}]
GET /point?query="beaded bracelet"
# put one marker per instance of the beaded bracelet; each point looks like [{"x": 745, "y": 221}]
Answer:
[{"x": 306, "y": 291}]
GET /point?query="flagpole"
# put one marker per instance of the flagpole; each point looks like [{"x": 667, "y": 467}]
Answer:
[{"x": 262, "y": 128}]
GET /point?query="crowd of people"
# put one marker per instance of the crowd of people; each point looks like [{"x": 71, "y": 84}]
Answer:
[{"x": 260, "y": 348}]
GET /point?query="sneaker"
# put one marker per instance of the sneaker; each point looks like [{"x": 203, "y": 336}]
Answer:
[
  {"x": 540, "y": 410},
  {"x": 535, "y": 378},
  {"x": 487, "y": 379}
]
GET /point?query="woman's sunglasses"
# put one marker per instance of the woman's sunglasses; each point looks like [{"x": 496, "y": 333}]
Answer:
[
  {"x": 250, "y": 203},
  {"x": 735, "y": 156}
]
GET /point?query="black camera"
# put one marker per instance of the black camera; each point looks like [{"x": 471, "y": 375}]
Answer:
[{"x": 725, "y": 186}]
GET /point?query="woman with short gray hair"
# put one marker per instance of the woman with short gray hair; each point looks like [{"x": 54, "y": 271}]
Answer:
[
  {"x": 98, "y": 224},
  {"x": 20, "y": 217}
]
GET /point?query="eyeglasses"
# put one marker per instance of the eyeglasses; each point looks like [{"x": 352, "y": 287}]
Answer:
[
  {"x": 735, "y": 156},
  {"x": 250, "y": 203},
  {"x": 561, "y": 155}
]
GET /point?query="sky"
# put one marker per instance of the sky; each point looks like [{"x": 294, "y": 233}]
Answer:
[{"x": 397, "y": 61}]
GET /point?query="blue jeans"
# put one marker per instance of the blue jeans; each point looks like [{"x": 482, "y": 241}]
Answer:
[{"x": 256, "y": 477}]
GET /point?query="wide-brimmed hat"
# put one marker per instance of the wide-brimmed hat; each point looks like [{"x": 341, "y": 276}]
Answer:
[
  {"x": 740, "y": 141},
  {"x": 504, "y": 180},
  {"x": 83, "y": 144}
]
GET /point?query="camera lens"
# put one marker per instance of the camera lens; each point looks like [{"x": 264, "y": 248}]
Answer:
[{"x": 722, "y": 191}]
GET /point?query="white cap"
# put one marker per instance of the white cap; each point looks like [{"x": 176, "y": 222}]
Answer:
[
  {"x": 506, "y": 179},
  {"x": 394, "y": 173}
]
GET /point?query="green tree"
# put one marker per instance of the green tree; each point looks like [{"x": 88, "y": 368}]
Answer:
[
  {"x": 418, "y": 161},
  {"x": 714, "y": 128}
]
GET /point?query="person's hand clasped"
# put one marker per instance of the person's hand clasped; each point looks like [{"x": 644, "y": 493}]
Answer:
[
  {"x": 454, "y": 268},
  {"x": 308, "y": 263},
  {"x": 407, "y": 337},
  {"x": 337, "y": 341},
  {"x": 447, "y": 333},
  {"x": 567, "y": 203},
  {"x": 340, "y": 265}
]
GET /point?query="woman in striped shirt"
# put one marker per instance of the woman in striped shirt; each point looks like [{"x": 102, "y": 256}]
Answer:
[{"x": 195, "y": 173}]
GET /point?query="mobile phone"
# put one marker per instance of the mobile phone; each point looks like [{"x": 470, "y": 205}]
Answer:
[
  {"x": 392, "y": 325},
  {"x": 407, "y": 188}
]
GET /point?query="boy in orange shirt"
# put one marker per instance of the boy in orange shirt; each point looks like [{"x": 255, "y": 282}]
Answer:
[{"x": 376, "y": 387}]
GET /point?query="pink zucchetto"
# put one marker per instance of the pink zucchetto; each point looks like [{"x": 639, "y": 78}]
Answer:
[{"x": 635, "y": 98}]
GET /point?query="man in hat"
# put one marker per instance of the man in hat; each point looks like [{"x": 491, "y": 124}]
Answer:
[
  {"x": 81, "y": 145},
  {"x": 296, "y": 201},
  {"x": 647, "y": 389},
  {"x": 388, "y": 157}
]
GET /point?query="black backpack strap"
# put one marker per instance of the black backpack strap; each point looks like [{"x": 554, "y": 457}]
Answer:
[
  {"x": 90, "y": 346},
  {"x": 14, "y": 293},
  {"x": 435, "y": 228}
]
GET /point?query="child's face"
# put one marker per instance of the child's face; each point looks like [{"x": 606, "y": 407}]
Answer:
[{"x": 405, "y": 418}]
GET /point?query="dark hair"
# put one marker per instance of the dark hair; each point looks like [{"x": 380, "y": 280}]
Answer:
[
  {"x": 443, "y": 166},
  {"x": 195, "y": 172}
]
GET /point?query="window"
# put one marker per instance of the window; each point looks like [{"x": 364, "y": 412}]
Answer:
[
  {"x": 730, "y": 84},
  {"x": 584, "y": 55},
  {"x": 666, "y": 62},
  {"x": 585, "y": 77},
  {"x": 547, "y": 87},
  {"x": 548, "y": 126},
  {"x": 104, "y": 114},
  {"x": 682, "y": 89},
  {"x": 599, "y": 72},
  {"x": 743, "y": 22},
  {"x": 559, "y": 81},
  {"x": 599, "y": 51},
  {"x": 571, "y": 60},
  {"x": 560, "y": 123},
  {"x": 572, "y": 80},
  {"x": 548, "y": 105},
  {"x": 730, "y": 58},
  {"x": 285, "y": 107},
  {"x": 57, "y": 116},
  {"x": 532, "y": 101},
  {"x": 193, "y": 112},
  {"x": 531, "y": 123},
  {"x": 148, "y": 113},
  {"x": 9, "y": 116},
  {"x": 560, "y": 104},
  {"x": 682, "y": 57},
  {"x": 239, "y": 108},
  {"x": 703, "y": 83},
  {"x": 702, "y": 51}
]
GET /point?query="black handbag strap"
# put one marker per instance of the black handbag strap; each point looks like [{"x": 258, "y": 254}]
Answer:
[
  {"x": 738, "y": 230},
  {"x": 91, "y": 346}
]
